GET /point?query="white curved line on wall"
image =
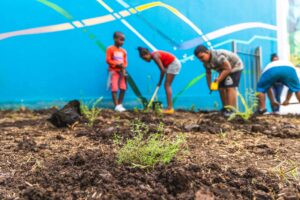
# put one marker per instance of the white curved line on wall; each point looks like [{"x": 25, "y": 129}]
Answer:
[
  {"x": 39, "y": 30},
  {"x": 246, "y": 42},
  {"x": 98, "y": 20},
  {"x": 238, "y": 27},
  {"x": 151, "y": 46}
]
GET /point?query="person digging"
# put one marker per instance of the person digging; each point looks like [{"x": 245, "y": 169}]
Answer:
[
  {"x": 277, "y": 71},
  {"x": 229, "y": 66},
  {"x": 169, "y": 67}
]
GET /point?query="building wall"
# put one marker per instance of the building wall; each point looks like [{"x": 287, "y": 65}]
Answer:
[{"x": 54, "y": 51}]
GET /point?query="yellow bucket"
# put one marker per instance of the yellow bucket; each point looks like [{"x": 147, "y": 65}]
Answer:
[{"x": 214, "y": 86}]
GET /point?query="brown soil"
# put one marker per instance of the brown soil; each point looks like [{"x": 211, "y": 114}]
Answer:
[{"x": 226, "y": 160}]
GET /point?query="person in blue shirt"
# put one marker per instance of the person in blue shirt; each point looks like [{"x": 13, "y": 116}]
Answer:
[{"x": 277, "y": 71}]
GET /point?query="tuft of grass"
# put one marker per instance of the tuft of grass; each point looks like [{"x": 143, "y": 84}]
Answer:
[
  {"x": 250, "y": 104},
  {"x": 148, "y": 151},
  {"x": 90, "y": 110},
  {"x": 288, "y": 170},
  {"x": 222, "y": 134}
]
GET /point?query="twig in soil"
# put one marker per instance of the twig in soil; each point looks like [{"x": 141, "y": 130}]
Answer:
[
  {"x": 29, "y": 184},
  {"x": 72, "y": 127}
]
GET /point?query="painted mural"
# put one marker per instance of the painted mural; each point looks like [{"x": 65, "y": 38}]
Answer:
[{"x": 53, "y": 51}]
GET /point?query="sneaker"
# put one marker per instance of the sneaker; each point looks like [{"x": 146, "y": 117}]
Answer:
[
  {"x": 227, "y": 113},
  {"x": 168, "y": 111},
  {"x": 260, "y": 112},
  {"x": 223, "y": 110},
  {"x": 122, "y": 108},
  {"x": 119, "y": 108}
]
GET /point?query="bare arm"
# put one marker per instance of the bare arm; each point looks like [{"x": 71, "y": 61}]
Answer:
[
  {"x": 158, "y": 62},
  {"x": 208, "y": 77}
]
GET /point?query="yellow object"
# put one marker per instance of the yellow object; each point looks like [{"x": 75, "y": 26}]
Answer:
[
  {"x": 214, "y": 86},
  {"x": 168, "y": 111}
]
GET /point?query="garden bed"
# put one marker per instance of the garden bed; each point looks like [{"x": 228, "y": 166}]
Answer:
[{"x": 258, "y": 159}]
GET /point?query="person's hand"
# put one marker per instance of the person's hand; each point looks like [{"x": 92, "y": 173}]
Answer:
[
  {"x": 216, "y": 81},
  {"x": 275, "y": 104},
  {"x": 285, "y": 103},
  {"x": 119, "y": 65}
]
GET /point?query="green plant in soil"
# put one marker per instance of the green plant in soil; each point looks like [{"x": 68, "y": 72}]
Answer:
[
  {"x": 288, "y": 170},
  {"x": 249, "y": 104},
  {"x": 193, "y": 108},
  {"x": 148, "y": 151},
  {"x": 136, "y": 110},
  {"x": 222, "y": 134},
  {"x": 90, "y": 110},
  {"x": 216, "y": 105}
]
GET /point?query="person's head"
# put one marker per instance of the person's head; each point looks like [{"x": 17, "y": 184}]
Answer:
[
  {"x": 202, "y": 53},
  {"x": 274, "y": 57},
  {"x": 145, "y": 54},
  {"x": 119, "y": 38}
]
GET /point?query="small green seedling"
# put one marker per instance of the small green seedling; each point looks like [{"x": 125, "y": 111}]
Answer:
[
  {"x": 90, "y": 110},
  {"x": 135, "y": 110},
  {"x": 222, "y": 134},
  {"x": 248, "y": 109},
  {"x": 193, "y": 108}
]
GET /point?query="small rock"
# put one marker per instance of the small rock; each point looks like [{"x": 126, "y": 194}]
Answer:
[
  {"x": 109, "y": 130},
  {"x": 289, "y": 126},
  {"x": 59, "y": 137},
  {"x": 204, "y": 195},
  {"x": 106, "y": 175},
  {"x": 260, "y": 195},
  {"x": 257, "y": 128},
  {"x": 191, "y": 127}
]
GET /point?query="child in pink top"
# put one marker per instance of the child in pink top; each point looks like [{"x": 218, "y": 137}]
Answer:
[{"x": 116, "y": 58}]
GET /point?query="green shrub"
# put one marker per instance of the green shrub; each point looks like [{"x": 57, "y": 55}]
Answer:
[
  {"x": 90, "y": 110},
  {"x": 147, "y": 151}
]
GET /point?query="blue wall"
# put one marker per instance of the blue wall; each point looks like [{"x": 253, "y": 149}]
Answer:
[{"x": 44, "y": 69}]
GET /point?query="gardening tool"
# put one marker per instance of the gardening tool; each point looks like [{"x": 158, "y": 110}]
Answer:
[
  {"x": 153, "y": 97},
  {"x": 294, "y": 103}
]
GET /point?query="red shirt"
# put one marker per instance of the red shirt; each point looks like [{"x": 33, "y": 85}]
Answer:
[
  {"x": 116, "y": 56},
  {"x": 165, "y": 57}
]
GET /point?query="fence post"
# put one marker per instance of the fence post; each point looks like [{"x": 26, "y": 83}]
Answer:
[
  {"x": 234, "y": 50},
  {"x": 234, "y": 47},
  {"x": 258, "y": 64}
]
